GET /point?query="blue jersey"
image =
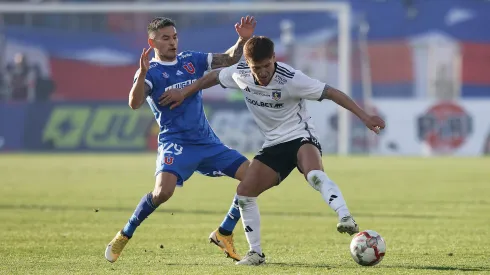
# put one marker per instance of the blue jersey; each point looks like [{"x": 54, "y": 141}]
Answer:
[{"x": 186, "y": 124}]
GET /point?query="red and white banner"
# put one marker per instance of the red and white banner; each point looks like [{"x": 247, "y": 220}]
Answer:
[{"x": 413, "y": 127}]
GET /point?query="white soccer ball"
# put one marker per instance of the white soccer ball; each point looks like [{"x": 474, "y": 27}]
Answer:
[{"x": 367, "y": 248}]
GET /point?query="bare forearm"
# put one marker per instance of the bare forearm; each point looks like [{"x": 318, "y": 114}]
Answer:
[
  {"x": 207, "y": 81},
  {"x": 236, "y": 51},
  {"x": 345, "y": 101},
  {"x": 230, "y": 57},
  {"x": 138, "y": 92}
]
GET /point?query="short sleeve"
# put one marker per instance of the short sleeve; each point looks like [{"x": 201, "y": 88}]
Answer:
[
  {"x": 226, "y": 77},
  {"x": 148, "y": 79},
  {"x": 306, "y": 87},
  {"x": 203, "y": 60}
]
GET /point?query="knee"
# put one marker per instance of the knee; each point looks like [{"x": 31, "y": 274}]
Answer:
[
  {"x": 244, "y": 189},
  {"x": 161, "y": 195}
]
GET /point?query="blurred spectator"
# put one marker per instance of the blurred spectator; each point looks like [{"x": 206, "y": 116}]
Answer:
[
  {"x": 20, "y": 78},
  {"x": 24, "y": 81}
]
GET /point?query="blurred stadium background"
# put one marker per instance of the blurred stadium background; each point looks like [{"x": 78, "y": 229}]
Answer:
[{"x": 423, "y": 66}]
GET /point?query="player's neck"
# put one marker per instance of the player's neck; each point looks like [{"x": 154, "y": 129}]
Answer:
[
  {"x": 162, "y": 58},
  {"x": 157, "y": 58}
]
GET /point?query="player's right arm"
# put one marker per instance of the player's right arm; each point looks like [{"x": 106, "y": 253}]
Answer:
[
  {"x": 141, "y": 87},
  {"x": 213, "y": 78}
]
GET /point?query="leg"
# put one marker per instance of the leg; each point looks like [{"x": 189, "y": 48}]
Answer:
[
  {"x": 225, "y": 161},
  {"x": 267, "y": 170},
  {"x": 310, "y": 163},
  {"x": 172, "y": 169}
]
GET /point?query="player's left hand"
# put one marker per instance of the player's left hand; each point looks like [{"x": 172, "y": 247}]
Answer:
[
  {"x": 245, "y": 28},
  {"x": 375, "y": 123},
  {"x": 175, "y": 96}
]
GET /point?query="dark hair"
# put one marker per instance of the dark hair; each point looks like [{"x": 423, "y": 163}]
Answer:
[
  {"x": 259, "y": 48},
  {"x": 159, "y": 23}
]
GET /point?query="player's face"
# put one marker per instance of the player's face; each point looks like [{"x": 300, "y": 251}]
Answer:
[
  {"x": 263, "y": 70},
  {"x": 165, "y": 42}
]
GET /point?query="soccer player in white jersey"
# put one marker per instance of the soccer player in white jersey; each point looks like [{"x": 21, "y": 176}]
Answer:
[{"x": 275, "y": 94}]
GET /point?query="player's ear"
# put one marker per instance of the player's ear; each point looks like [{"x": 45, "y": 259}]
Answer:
[{"x": 151, "y": 43}]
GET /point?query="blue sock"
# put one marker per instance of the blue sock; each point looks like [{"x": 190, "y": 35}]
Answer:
[
  {"x": 142, "y": 211},
  {"x": 231, "y": 219}
]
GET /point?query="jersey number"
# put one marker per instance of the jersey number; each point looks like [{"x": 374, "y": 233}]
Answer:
[{"x": 167, "y": 151}]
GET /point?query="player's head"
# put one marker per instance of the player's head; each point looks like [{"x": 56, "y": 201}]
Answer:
[
  {"x": 162, "y": 37},
  {"x": 260, "y": 57}
]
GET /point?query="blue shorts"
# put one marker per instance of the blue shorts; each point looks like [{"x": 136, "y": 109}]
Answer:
[{"x": 213, "y": 160}]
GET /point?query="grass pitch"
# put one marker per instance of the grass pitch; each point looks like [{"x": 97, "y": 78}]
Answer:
[{"x": 58, "y": 212}]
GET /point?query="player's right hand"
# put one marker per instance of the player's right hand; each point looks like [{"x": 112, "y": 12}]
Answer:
[
  {"x": 175, "y": 96},
  {"x": 145, "y": 60}
]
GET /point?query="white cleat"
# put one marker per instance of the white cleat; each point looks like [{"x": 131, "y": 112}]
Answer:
[
  {"x": 252, "y": 258},
  {"x": 348, "y": 225}
]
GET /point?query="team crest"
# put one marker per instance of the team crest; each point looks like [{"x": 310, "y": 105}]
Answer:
[
  {"x": 165, "y": 74},
  {"x": 168, "y": 160},
  {"x": 189, "y": 67},
  {"x": 276, "y": 95}
]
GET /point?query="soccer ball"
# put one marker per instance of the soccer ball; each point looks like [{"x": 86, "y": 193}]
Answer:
[{"x": 367, "y": 248}]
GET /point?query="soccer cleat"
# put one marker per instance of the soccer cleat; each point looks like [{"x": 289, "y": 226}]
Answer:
[
  {"x": 225, "y": 243},
  {"x": 348, "y": 225},
  {"x": 115, "y": 247},
  {"x": 252, "y": 258}
]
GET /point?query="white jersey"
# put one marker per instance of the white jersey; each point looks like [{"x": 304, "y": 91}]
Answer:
[{"x": 279, "y": 108}]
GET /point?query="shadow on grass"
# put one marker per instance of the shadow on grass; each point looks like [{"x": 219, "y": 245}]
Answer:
[
  {"x": 439, "y": 268},
  {"x": 300, "y": 265},
  {"x": 164, "y": 210}
]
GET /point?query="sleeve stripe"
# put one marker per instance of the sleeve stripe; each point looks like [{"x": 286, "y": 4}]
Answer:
[
  {"x": 219, "y": 81},
  {"x": 149, "y": 83},
  {"x": 210, "y": 61}
]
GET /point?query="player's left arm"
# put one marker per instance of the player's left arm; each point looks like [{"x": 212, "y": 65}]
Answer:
[
  {"x": 374, "y": 123},
  {"x": 245, "y": 30},
  {"x": 314, "y": 89}
]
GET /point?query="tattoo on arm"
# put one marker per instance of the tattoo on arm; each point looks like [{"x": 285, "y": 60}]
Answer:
[{"x": 230, "y": 57}]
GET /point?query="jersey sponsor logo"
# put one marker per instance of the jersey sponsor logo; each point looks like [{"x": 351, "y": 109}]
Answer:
[
  {"x": 244, "y": 73},
  {"x": 186, "y": 55},
  {"x": 189, "y": 67},
  {"x": 264, "y": 104},
  {"x": 247, "y": 89},
  {"x": 153, "y": 65},
  {"x": 280, "y": 79},
  {"x": 165, "y": 75},
  {"x": 276, "y": 95},
  {"x": 180, "y": 85}
]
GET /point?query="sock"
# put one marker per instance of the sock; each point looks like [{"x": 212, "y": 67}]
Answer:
[
  {"x": 330, "y": 192},
  {"x": 142, "y": 211},
  {"x": 251, "y": 221},
  {"x": 231, "y": 219}
]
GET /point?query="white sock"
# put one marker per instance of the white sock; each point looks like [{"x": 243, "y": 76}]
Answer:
[
  {"x": 330, "y": 192},
  {"x": 249, "y": 210}
]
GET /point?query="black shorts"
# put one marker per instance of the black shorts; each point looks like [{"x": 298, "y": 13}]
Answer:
[{"x": 283, "y": 157}]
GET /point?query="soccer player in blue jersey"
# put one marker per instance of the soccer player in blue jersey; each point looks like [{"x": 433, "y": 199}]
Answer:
[{"x": 186, "y": 142}]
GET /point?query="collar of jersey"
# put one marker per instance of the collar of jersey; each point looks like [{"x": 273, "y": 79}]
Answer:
[{"x": 166, "y": 63}]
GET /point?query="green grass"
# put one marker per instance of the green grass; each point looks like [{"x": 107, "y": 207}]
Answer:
[{"x": 433, "y": 213}]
